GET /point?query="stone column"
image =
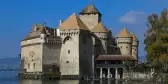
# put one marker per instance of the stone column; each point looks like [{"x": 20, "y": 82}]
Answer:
[
  {"x": 108, "y": 75},
  {"x": 101, "y": 73},
  {"x": 116, "y": 73}
]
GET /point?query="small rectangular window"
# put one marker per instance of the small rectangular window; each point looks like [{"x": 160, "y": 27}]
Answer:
[
  {"x": 28, "y": 65},
  {"x": 34, "y": 65},
  {"x": 68, "y": 51},
  {"x": 67, "y": 61}
]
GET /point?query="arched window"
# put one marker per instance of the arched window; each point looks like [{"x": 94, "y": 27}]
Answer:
[{"x": 66, "y": 39}]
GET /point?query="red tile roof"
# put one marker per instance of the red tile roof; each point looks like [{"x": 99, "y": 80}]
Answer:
[{"x": 115, "y": 57}]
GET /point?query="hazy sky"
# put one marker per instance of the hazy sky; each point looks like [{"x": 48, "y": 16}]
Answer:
[{"x": 17, "y": 17}]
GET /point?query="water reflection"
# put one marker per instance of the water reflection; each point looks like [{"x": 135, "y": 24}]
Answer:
[{"x": 69, "y": 82}]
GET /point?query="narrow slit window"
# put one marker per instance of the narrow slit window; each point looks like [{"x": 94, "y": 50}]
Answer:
[
  {"x": 34, "y": 65},
  {"x": 68, "y": 51},
  {"x": 28, "y": 65}
]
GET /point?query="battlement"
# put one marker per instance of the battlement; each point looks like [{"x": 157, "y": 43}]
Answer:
[{"x": 53, "y": 40}]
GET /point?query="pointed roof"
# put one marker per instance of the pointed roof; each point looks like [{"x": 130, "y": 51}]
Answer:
[
  {"x": 134, "y": 37},
  {"x": 124, "y": 33},
  {"x": 100, "y": 28},
  {"x": 73, "y": 22},
  {"x": 90, "y": 9}
]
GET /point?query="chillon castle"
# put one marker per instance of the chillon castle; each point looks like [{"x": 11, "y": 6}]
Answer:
[{"x": 80, "y": 46}]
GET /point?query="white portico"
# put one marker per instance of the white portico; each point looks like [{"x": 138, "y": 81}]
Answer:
[{"x": 111, "y": 66}]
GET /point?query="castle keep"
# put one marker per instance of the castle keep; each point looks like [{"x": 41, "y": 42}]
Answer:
[{"x": 80, "y": 46}]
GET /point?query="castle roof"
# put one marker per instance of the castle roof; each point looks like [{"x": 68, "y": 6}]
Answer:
[
  {"x": 40, "y": 29},
  {"x": 134, "y": 37},
  {"x": 115, "y": 57},
  {"x": 100, "y": 28},
  {"x": 124, "y": 33},
  {"x": 73, "y": 22},
  {"x": 91, "y": 9}
]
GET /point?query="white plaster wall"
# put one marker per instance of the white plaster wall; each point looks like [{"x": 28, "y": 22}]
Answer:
[
  {"x": 125, "y": 48},
  {"x": 37, "y": 58},
  {"x": 71, "y": 68},
  {"x": 90, "y": 20}
]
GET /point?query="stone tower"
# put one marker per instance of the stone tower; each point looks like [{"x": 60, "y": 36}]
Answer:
[
  {"x": 102, "y": 33},
  {"x": 76, "y": 51},
  {"x": 90, "y": 16},
  {"x": 32, "y": 49},
  {"x": 124, "y": 42},
  {"x": 135, "y": 45}
]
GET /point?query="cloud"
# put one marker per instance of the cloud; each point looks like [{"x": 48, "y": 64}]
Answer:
[{"x": 134, "y": 17}]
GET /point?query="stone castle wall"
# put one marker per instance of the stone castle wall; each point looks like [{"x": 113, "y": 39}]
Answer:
[
  {"x": 86, "y": 55},
  {"x": 51, "y": 56},
  {"x": 31, "y": 51},
  {"x": 125, "y": 45},
  {"x": 69, "y": 59}
]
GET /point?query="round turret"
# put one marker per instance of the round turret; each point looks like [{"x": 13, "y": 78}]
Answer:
[
  {"x": 103, "y": 34},
  {"x": 124, "y": 41},
  {"x": 135, "y": 45}
]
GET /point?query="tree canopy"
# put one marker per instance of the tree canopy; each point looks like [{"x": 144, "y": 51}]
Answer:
[{"x": 156, "y": 38}]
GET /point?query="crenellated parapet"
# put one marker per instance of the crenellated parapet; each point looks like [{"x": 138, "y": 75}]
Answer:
[
  {"x": 69, "y": 33},
  {"x": 53, "y": 40}
]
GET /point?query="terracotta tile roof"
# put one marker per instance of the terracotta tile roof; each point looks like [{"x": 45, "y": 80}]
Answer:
[
  {"x": 114, "y": 57},
  {"x": 91, "y": 9},
  {"x": 124, "y": 33},
  {"x": 134, "y": 37},
  {"x": 73, "y": 22},
  {"x": 100, "y": 28}
]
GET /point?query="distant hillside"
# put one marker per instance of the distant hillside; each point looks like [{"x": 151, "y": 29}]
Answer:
[{"x": 14, "y": 62}]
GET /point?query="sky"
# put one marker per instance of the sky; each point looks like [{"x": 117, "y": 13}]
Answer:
[{"x": 17, "y": 17}]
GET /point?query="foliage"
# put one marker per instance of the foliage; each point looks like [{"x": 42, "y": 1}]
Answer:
[{"x": 156, "y": 40}]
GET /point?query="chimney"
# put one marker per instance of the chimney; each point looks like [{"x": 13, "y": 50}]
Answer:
[
  {"x": 61, "y": 21},
  {"x": 33, "y": 27},
  {"x": 54, "y": 31}
]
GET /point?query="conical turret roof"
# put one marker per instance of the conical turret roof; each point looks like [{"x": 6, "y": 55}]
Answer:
[
  {"x": 73, "y": 22},
  {"x": 90, "y": 9},
  {"x": 124, "y": 33},
  {"x": 134, "y": 37},
  {"x": 100, "y": 28}
]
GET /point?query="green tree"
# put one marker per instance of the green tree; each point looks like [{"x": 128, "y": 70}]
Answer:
[{"x": 156, "y": 40}]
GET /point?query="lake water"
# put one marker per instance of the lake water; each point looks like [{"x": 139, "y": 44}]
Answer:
[{"x": 9, "y": 77}]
